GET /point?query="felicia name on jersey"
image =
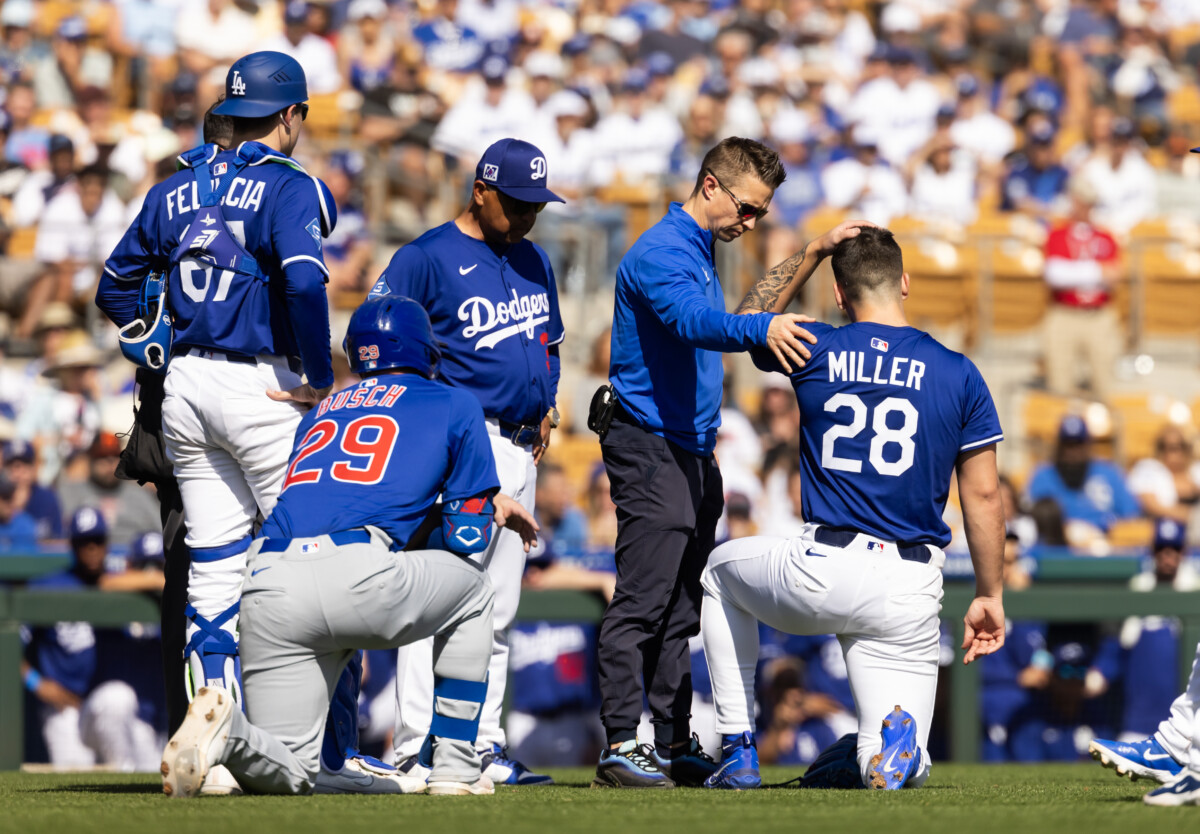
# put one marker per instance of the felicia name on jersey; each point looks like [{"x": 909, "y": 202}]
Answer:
[
  {"x": 525, "y": 312},
  {"x": 851, "y": 366},
  {"x": 242, "y": 193}
]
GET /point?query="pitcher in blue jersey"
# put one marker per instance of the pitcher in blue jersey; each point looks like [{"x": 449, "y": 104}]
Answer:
[
  {"x": 887, "y": 416},
  {"x": 370, "y": 465},
  {"x": 237, "y": 233}
]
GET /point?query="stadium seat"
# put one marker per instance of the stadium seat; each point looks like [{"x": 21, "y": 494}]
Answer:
[
  {"x": 1018, "y": 296},
  {"x": 330, "y": 117},
  {"x": 1183, "y": 105},
  {"x": 22, "y": 241},
  {"x": 576, "y": 454},
  {"x": 1139, "y": 418},
  {"x": 1170, "y": 276},
  {"x": 943, "y": 292}
]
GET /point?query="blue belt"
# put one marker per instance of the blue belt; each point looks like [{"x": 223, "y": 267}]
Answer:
[
  {"x": 359, "y": 536},
  {"x": 832, "y": 537},
  {"x": 521, "y": 435}
]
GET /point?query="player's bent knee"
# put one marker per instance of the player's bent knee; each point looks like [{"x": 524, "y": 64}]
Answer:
[{"x": 113, "y": 701}]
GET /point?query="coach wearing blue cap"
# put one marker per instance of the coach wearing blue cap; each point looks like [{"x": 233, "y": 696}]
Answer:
[
  {"x": 669, "y": 330},
  {"x": 493, "y": 303}
]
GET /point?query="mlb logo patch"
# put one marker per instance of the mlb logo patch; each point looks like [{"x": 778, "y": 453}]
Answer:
[
  {"x": 310, "y": 547},
  {"x": 491, "y": 172},
  {"x": 879, "y": 344},
  {"x": 220, "y": 168},
  {"x": 874, "y": 546},
  {"x": 314, "y": 229}
]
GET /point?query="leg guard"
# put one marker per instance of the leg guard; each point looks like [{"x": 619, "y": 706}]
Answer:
[
  {"x": 212, "y": 653},
  {"x": 341, "y": 727},
  {"x": 453, "y": 701}
]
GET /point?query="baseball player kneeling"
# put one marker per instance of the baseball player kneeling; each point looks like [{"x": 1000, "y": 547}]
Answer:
[{"x": 366, "y": 470}]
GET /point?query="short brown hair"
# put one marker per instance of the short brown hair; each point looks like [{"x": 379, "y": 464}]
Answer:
[
  {"x": 867, "y": 262},
  {"x": 734, "y": 157}
]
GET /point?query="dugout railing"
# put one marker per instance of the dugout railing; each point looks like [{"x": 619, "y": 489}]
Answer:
[{"x": 1061, "y": 596}]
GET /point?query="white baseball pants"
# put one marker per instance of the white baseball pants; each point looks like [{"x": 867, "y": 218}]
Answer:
[
  {"x": 1179, "y": 733},
  {"x": 883, "y": 609},
  {"x": 105, "y": 730},
  {"x": 504, "y": 561}
]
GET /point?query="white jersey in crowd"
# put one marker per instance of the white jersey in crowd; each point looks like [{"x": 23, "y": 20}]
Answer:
[
  {"x": 986, "y": 135},
  {"x": 901, "y": 117},
  {"x": 316, "y": 56},
  {"x": 874, "y": 192},
  {"x": 1126, "y": 193}
]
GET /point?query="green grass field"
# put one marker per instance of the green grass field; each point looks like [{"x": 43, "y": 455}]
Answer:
[{"x": 959, "y": 799}]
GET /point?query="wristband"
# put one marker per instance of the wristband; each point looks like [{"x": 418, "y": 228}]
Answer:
[{"x": 32, "y": 678}]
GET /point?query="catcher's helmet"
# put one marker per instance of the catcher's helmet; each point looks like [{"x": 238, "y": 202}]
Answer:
[
  {"x": 391, "y": 332},
  {"x": 262, "y": 83}
]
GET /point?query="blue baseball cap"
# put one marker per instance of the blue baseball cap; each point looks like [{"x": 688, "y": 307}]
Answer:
[
  {"x": 295, "y": 12},
  {"x": 494, "y": 69},
  {"x": 88, "y": 523},
  {"x": 967, "y": 85},
  {"x": 72, "y": 28},
  {"x": 517, "y": 169},
  {"x": 1169, "y": 533},
  {"x": 146, "y": 548},
  {"x": 262, "y": 83},
  {"x": 19, "y": 450},
  {"x": 1073, "y": 429}
]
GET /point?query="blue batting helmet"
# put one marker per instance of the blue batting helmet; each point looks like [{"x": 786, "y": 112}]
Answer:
[
  {"x": 262, "y": 83},
  {"x": 391, "y": 332}
]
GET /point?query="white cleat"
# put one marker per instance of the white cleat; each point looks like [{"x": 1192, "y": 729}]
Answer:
[
  {"x": 483, "y": 787},
  {"x": 190, "y": 755},
  {"x": 220, "y": 782},
  {"x": 356, "y": 776}
]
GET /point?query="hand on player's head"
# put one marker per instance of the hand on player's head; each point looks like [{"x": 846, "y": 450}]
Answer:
[
  {"x": 510, "y": 514},
  {"x": 786, "y": 338},
  {"x": 840, "y": 232}
]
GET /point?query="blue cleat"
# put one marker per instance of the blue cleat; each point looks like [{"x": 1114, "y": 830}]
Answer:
[
  {"x": 900, "y": 756},
  {"x": 688, "y": 766},
  {"x": 631, "y": 765},
  {"x": 739, "y": 764},
  {"x": 1184, "y": 789},
  {"x": 502, "y": 770},
  {"x": 836, "y": 767},
  {"x": 1137, "y": 759}
]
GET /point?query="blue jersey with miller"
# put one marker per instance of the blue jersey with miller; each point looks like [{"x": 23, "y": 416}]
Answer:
[
  {"x": 885, "y": 412},
  {"x": 380, "y": 453},
  {"x": 495, "y": 308},
  {"x": 246, "y": 275}
]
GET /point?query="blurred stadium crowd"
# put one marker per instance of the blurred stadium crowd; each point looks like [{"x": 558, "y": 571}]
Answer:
[{"x": 1031, "y": 156}]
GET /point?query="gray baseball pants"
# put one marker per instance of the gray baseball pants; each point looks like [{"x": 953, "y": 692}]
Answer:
[{"x": 304, "y": 613}]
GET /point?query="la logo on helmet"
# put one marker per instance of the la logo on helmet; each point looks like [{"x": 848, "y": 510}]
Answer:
[
  {"x": 538, "y": 166},
  {"x": 237, "y": 86}
]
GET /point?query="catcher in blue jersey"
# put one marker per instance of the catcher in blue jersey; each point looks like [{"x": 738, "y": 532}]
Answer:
[
  {"x": 243, "y": 324},
  {"x": 887, "y": 416},
  {"x": 367, "y": 467}
]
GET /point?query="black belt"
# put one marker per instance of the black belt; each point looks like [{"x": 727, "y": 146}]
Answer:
[
  {"x": 832, "y": 537},
  {"x": 294, "y": 364},
  {"x": 356, "y": 536},
  {"x": 521, "y": 434}
]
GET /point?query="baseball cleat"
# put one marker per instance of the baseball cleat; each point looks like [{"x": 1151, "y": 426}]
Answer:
[
  {"x": 687, "y": 766},
  {"x": 198, "y": 743},
  {"x": 891, "y": 766},
  {"x": 411, "y": 768},
  {"x": 836, "y": 767},
  {"x": 359, "y": 776},
  {"x": 631, "y": 765},
  {"x": 1184, "y": 789},
  {"x": 739, "y": 764},
  {"x": 1137, "y": 759},
  {"x": 220, "y": 782},
  {"x": 483, "y": 787},
  {"x": 502, "y": 770}
]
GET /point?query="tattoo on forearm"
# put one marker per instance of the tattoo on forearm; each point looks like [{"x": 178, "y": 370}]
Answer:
[{"x": 766, "y": 290}]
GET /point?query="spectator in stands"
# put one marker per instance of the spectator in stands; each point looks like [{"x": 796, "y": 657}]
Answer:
[
  {"x": 77, "y": 231},
  {"x": 63, "y": 418},
  {"x": 1091, "y": 492},
  {"x": 942, "y": 183},
  {"x": 1177, "y": 183},
  {"x": 17, "y": 48},
  {"x": 1141, "y": 77},
  {"x": 1168, "y": 568},
  {"x": 564, "y": 526},
  {"x": 1036, "y": 183},
  {"x": 27, "y": 143},
  {"x": 483, "y": 116},
  {"x": 1168, "y": 484},
  {"x": 601, "y": 511},
  {"x": 103, "y": 141},
  {"x": 37, "y": 501},
  {"x": 87, "y": 719},
  {"x": 1123, "y": 180},
  {"x": 1050, "y": 524},
  {"x": 672, "y": 36},
  {"x": 211, "y": 35},
  {"x": 700, "y": 132},
  {"x": 314, "y": 54},
  {"x": 43, "y": 185},
  {"x": 800, "y": 193},
  {"x": 366, "y": 50},
  {"x": 1081, "y": 328},
  {"x": 899, "y": 108},
  {"x": 449, "y": 45},
  {"x": 977, "y": 129},
  {"x": 636, "y": 139},
  {"x": 18, "y": 530},
  {"x": 71, "y": 65},
  {"x": 595, "y": 375},
  {"x": 143, "y": 33},
  {"x": 348, "y": 249},
  {"x": 1016, "y": 521},
  {"x": 128, "y": 509},
  {"x": 863, "y": 184}
]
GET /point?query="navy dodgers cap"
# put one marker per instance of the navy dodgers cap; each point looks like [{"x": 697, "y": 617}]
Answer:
[
  {"x": 1169, "y": 533},
  {"x": 517, "y": 169}
]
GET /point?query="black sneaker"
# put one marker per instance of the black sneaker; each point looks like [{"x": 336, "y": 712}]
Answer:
[
  {"x": 631, "y": 765},
  {"x": 688, "y": 766}
]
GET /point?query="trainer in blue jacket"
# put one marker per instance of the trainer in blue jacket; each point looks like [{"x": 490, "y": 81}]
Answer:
[{"x": 669, "y": 329}]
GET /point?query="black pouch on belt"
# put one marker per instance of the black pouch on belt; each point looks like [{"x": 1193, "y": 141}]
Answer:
[{"x": 600, "y": 415}]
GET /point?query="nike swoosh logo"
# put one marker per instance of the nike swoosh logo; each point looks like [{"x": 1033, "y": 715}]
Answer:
[
  {"x": 465, "y": 270},
  {"x": 1154, "y": 757},
  {"x": 891, "y": 760},
  {"x": 257, "y": 571}
]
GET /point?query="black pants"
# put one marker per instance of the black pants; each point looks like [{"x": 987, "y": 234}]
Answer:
[{"x": 668, "y": 502}]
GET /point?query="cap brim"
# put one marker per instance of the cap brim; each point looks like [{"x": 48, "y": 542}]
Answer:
[
  {"x": 1195, "y": 150},
  {"x": 530, "y": 193}
]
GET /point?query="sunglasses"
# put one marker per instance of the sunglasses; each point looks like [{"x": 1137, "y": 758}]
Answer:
[
  {"x": 514, "y": 206},
  {"x": 745, "y": 210}
]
